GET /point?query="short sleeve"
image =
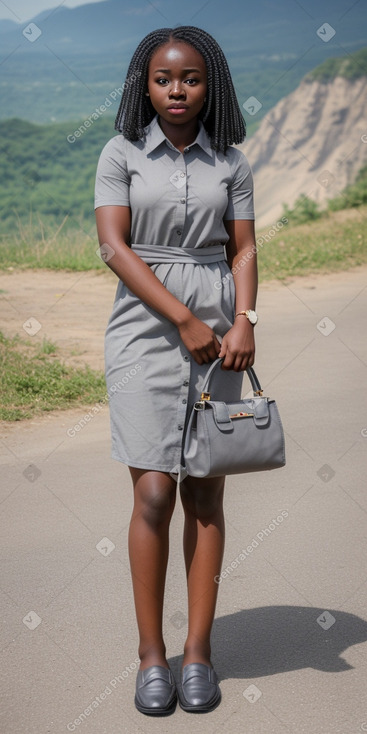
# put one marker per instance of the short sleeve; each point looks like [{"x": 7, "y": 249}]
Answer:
[
  {"x": 241, "y": 188},
  {"x": 112, "y": 184}
]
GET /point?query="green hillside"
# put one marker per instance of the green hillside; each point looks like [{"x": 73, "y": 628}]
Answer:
[
  {"x": 349, "y": 67},
  {"x": 43, "y": 174}
]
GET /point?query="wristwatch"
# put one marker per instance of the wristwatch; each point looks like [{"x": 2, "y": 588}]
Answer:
[{"x": 251, "y": 315}]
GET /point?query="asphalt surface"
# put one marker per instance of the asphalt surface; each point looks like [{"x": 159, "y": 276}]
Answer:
[{"x": 290, "y": 636}]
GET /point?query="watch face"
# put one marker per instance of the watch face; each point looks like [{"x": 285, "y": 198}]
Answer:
[{"x": 252, "y": 316}]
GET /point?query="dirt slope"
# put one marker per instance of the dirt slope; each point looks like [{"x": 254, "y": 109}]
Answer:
[{"x": 314, "y": 141}]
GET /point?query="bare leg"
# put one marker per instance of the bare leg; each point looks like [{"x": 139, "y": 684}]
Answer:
[
  {"x": 204, "y": 535},
  {"x": 154, "y": 502}
]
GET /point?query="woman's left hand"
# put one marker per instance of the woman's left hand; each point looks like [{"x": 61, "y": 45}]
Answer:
[{"x": 238, "y": 346}]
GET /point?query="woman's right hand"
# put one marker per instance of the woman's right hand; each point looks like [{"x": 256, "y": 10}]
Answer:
[{"x": 199, "y": 339}]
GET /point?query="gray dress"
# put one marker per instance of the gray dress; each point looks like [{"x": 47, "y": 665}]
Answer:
[{"x": 178, "y": 203}]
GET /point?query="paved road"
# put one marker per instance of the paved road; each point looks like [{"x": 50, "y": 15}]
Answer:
[{"x": 290, "y": 636}]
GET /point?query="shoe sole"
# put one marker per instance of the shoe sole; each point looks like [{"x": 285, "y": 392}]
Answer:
[
  {"x": 204, "y": 709},
  {"x": 166, "y": 711}
]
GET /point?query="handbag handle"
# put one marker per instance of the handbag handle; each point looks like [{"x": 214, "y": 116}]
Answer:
[{"x": 255, "y": 384}]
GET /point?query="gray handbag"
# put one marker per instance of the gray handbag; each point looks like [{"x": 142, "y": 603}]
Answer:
[{"x": 233, "y": 438}]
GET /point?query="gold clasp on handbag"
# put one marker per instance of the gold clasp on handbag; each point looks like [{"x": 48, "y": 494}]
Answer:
[
  {"x": 200, "y": 404},
  {"x": 241, "y": 414}
]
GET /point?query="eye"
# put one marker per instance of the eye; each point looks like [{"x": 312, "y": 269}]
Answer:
[
  {"x": 161, "y": 79},
  {"x": 192, "y": 81}
]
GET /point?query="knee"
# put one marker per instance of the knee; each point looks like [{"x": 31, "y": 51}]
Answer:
[
  {"x": 203, "y": 502},
  {"x": 156, "y": 505}
]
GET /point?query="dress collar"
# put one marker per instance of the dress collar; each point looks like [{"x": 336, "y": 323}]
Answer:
[{"x": 155, "y": 136}]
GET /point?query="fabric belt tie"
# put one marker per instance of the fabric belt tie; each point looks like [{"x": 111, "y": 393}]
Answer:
[{"x": 152, "y": 254}]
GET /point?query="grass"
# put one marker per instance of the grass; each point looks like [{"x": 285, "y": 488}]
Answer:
[
  {"x": 39, "y": 244},
  {"x": 33, "y": 380},
  {"x": 48, "y": 347},
  {"x": 335, "y": 241}
]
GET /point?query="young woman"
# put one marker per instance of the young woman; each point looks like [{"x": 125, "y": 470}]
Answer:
[{"x": 175, "y": 221}]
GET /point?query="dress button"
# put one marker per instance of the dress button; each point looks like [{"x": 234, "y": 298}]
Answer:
[
  {"x": 184, "y": 400},
  {"x": 183, "y": 201},
  {"x": 178, "y": 231},
  {"x": 186, "y": 150},
  {"x": 186, "y": 383},
  {"x": 186, "y": 358},
  {"x": 180, "y": 428},
  {"x": 182, "y": 174}
]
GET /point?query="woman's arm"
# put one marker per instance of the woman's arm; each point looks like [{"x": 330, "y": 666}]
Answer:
[
  {"x": 113, "y": 227},
  {"x": 238, "y": 344}
]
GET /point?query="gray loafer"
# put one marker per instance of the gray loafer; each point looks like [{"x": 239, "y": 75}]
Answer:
[
  {"x": 155, "y": 691},
  {"x": 199, "y": 691}
]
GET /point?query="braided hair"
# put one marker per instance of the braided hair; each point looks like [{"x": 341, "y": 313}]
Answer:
[{"x": 221, "y": 114}]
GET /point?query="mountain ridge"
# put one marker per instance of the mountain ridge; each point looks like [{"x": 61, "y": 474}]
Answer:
[{"x": 79, "y": 54}]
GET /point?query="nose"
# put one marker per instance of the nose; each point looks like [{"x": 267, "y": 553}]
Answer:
[{"x": 176, "y": 89}]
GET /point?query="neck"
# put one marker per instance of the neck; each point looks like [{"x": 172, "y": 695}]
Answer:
[{"x": 180, "y": 135}]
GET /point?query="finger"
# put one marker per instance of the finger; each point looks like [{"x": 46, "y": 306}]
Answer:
[
  {"x": 238, "y": 363},
  {"x": 228, "y": 361},
  {"x": 249, "y": 360},
  {"x": 207, "y": 355},
  {"x": 212, "y": 355},
  {"x": 214, "y": 349},
  {"x": 217, "y": 345},
  {"x": 197, "y": 356},
  {"x": 223, "y": 349}
]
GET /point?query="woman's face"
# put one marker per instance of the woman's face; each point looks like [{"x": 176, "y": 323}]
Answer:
[{"x": 177, "y": 82}]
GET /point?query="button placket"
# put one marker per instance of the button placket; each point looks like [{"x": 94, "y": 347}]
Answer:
[
  {"x": 184, "y": 393},
  {"x": 179, "y": 181}
]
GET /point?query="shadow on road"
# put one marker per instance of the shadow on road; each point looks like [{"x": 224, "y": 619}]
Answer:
[{"x": 268, "y": 640}]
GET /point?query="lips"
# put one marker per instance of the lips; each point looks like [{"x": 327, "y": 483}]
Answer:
[{"x": 178, "y": 107}]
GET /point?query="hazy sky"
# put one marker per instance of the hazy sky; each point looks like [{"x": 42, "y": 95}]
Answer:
[{"x": 22, "y": 10}]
